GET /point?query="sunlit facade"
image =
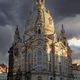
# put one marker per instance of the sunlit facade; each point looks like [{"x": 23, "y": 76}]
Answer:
[{"x": 40, "y": 55}]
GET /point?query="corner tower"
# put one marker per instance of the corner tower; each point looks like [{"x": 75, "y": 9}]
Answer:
[{"x": 62, "y": 37}]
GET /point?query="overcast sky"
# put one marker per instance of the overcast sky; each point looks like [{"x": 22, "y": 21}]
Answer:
[{"x": 15, "y": 12}]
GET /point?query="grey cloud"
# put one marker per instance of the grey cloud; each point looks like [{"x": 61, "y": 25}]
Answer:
[
  {"x": 71, "y": 25},
  {"x": 4, "y": 58},
  {"x": 6, "y": 39},
  {"x": 13, "y": 12},
  {"x": 16, "y": 10},
  {"x": 75, "y": 52},
  {"x": 67, "y": 7}
]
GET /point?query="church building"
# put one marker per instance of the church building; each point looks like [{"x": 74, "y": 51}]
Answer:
[{"x": 40, "y": 55}]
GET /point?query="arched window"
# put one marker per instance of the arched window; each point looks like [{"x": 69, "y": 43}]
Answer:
[
  {"x": 39, "y": 78},
  {"x": 49, "y": 68},
  {"x": 39, "y": 56},
  {"x": 39, "y": 31}
]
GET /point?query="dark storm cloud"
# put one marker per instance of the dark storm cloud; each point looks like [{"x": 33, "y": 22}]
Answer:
[
  {"x": 6, "y": 38},
  {"x": 65, "y": 7},
  {"x": 12, "y": 12},
  {"x": 16, "y": 12},
  {"x": 71, "y": 25},
  {"x": 5, "y": 9}
]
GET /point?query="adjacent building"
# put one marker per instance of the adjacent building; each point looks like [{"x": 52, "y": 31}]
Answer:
[
  {"x": 76, "y": 71},
  {"x": 3, "y": 68},
  {"x": 40, "y": 55}
]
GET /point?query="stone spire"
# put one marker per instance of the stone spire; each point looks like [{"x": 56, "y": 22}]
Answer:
[
  {"x": 16, "y": 36},
  {"x": 62, "y": 37}
]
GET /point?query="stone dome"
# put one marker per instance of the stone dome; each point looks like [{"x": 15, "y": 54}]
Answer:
[{"x": 40, "y": 20}]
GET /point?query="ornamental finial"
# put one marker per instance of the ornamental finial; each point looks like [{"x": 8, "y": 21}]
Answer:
[{"x": 40, "y": 2}]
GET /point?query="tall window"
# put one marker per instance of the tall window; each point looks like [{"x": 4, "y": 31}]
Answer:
[
  {"x": 38, "y": 25},
  {"x": 39, "y": 59},
  {"x": 28, "y": 61},
  {"x": 49, "y": 67}
]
